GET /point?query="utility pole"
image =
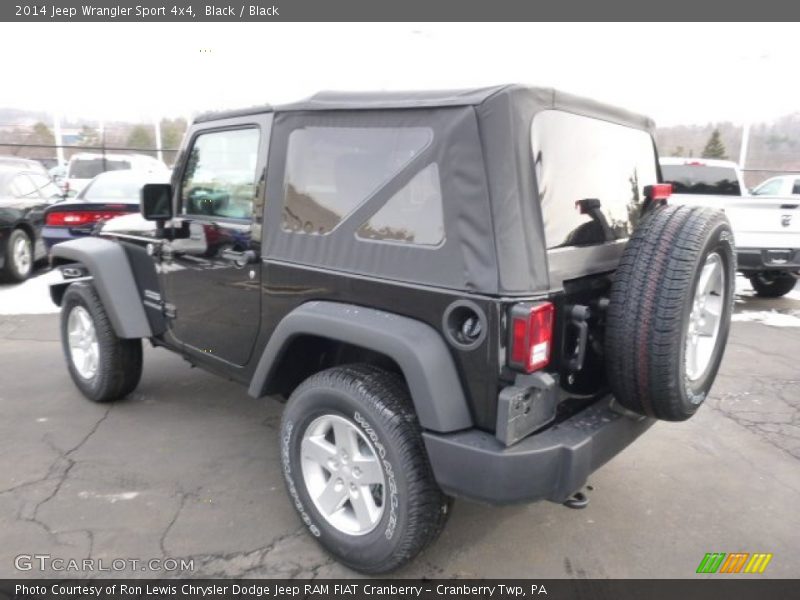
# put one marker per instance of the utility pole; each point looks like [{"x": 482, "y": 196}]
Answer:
[
  {"x": 159, "y": 153},
  {"x": 102, "y": 131},
  {"x": 59, "y": 140},
  {"x": 745, "y": 144}
]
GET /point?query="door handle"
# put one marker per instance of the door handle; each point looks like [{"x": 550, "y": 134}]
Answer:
[{"x": 239, "y": 259}]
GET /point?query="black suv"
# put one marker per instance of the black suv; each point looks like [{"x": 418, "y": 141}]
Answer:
[{"x": 477, "y": 293}]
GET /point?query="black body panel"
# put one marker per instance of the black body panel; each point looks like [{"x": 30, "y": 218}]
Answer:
[
  {"x": 144, "y": 273},
  {"x": 287, "y": 286}
]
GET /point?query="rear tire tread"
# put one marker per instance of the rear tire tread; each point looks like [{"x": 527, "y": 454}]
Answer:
[
  {"x": 645, "y": 319},
  {"x": 385, "y": 397}
]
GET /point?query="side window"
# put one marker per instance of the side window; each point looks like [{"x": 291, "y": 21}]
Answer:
[
  {"x": 220, "y": 176},
  {"x": 768, "y": 188},
  {"x": 413, "y": 215},
  {"x": 47, "y": 189},
  {"x": 23, "y": 187},
  {"x": 796, "y": 186},
  {"x": 330, "y": 171}
]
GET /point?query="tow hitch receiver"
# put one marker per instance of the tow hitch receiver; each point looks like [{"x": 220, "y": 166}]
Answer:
[{"x": 577, "y": 500}]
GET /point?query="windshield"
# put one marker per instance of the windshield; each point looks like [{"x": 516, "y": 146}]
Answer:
[
  {"x": 702, "y": 179},
  {"x": 91, "y": 167},
  {"x": 105, "y": 188}
]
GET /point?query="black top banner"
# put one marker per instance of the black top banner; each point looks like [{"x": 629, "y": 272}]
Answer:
[{"x": 399, "y": 10}]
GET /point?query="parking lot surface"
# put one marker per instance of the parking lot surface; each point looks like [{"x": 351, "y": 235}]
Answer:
[{"x": 188, "y": 467}]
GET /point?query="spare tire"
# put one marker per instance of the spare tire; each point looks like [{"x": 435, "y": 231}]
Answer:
[{"x": 670, "y": 309}]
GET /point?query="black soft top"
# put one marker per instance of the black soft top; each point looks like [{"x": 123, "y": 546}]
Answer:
[
  {"x": 514, "y": 94},
  {"x": 511, "y": 95},
  {"x": 495, "y": 240}
]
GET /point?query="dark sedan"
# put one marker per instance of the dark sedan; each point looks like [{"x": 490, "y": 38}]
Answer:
[
  {"x": 24, "y": 196},
  {"x": 109, "y": 195}
]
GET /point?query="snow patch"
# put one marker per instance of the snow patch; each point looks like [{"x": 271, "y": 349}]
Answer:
[
  {"x": 112, "y": 498},
  {"x": 31, "y": 297},
  {"x": 772, "y": 318}
]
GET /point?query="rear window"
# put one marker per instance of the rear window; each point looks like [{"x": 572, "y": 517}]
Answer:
[
  {"x": 112, "y": 189},
  {"x": 701, "y": 179},
  {"x": 91, "y": 167},
  {"x": 330, "y": 171},
  {"x": 580, "y": 158}
]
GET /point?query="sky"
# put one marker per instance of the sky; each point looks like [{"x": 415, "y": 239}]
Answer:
[{"x": 674, "y": 73}]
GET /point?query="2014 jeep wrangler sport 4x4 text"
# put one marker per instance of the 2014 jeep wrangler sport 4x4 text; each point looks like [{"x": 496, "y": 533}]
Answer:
[{"x": 477, "y": 293}]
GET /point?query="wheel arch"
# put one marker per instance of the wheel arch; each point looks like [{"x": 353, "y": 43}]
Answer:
[
  {"x": 28, "y": 229},
  {"x": 112, "y": 278},
  {"x": 414, "y": 349}
]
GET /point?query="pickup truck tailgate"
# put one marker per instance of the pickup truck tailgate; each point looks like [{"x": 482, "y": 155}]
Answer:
[{"x": 757, "y": 222}]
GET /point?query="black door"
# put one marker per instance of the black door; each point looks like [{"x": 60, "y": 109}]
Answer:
[{"x": 211, "y": 268}]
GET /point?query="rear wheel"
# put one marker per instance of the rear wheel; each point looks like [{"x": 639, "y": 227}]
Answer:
[
  {"x": 103, "y": 366},
  {"x": 19, "y": 257},
  {"x": 772, "y": 284},
  {"x": 670, "y": 310},
  {"x": 356, "y": 468}
]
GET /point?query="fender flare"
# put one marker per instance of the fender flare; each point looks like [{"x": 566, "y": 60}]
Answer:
[
  {"x": 417, "y": 348},
  {"x": 112, "y": 278}
]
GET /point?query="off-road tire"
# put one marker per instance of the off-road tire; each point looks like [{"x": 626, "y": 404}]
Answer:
[
  {"x": 378, "y": 402},
  {"x": 120, "y": 360},
  {"x": 11, "y": 271},
  {"x": 650, "y": 306},
  {"x": 772, "y": 286}
]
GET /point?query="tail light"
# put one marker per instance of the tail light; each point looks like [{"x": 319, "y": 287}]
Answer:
[
  {"x": 531, "y": 336},
  {"x": 76, "y": 218},
  {"x": 658, "y": 191}
]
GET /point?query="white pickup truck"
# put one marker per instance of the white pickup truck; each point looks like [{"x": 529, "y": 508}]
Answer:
[{"x": 766, "y": 228}]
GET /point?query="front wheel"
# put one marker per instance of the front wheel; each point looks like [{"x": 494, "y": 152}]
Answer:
[
  {"x": 772, "y": 284},
  {"x": 356, "y": 468},
  {"x": 103, "y": 366},
  {"x": 19, "y": 257}
]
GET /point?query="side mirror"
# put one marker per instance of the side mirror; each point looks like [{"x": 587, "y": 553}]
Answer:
[{"x": 156, "y": 202}]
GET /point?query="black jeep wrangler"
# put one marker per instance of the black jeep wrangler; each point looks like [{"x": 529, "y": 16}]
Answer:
[{"x": 478, "y": 293}]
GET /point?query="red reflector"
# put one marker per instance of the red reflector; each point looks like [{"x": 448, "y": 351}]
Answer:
[
  {"x": 531, "y": 336},
  {"x": 661, "y": 191},
  {"x": 519, "y": 338},
  {"x": 77, "y": 218}
]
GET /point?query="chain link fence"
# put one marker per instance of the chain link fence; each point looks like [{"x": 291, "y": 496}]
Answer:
[{"x": 37, "y": 152}]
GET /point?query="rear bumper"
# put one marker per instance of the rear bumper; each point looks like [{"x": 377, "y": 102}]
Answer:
[
  {"x": 764, "y": 259},
  {"x": 53, "y": 235},
  {"x": 550, "y": 465}
]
